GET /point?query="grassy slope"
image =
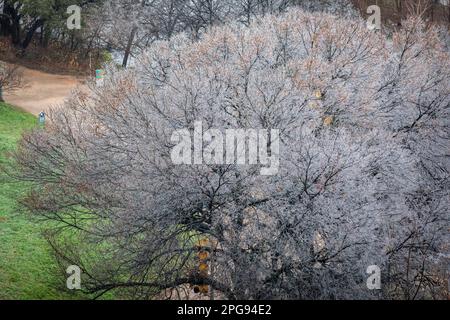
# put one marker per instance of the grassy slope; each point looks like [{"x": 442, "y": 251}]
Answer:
[{"x": 27, "y": 269}]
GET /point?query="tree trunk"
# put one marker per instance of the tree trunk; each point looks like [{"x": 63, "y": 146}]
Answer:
[
  {"x": 5, "y": 28},
  {"x": 129, "y": 46},
  {"x": 30, "y": 34},
  {"x": 11, "y": 23}
]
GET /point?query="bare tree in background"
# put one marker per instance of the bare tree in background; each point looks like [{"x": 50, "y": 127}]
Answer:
[
  {"x": 132, "y": 25},
  {"x": 10, "y": 78}
]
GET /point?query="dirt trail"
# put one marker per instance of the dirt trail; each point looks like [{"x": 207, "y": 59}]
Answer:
[{"x": 42, "y": 91}]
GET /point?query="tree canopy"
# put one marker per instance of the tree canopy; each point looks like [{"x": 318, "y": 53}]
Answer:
[{"x": 364, "y": 164}]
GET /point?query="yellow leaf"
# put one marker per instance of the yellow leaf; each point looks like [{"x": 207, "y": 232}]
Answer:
[
  {"x": 328, "y": 121},
  {"x": 203, "y": 242},
  {"x": 203, "y": 255},
  {"x": 318, "y": 94}
]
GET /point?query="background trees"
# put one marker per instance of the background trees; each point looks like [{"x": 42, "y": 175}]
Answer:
[
  {"x": 363, "y": 177},
  {"x": 10, "y": 78},
  {"x": 131, "y": 26},
  {"x": 20, "y": 20},
  {"x": 393, "y": 11}
]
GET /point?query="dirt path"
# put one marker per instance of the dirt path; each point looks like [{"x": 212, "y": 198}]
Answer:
[{"x": 42, "y": 91}]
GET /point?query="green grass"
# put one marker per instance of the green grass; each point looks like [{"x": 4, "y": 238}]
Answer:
[{"x": 27, "y": 267}]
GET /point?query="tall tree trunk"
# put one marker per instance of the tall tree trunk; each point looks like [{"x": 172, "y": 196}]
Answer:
[
  {"x": 129, "y": 46},
  {"x": 11, "y": 22},
  {"x": 5, "y": 28},
  {"x": 30, "y": 34}
]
